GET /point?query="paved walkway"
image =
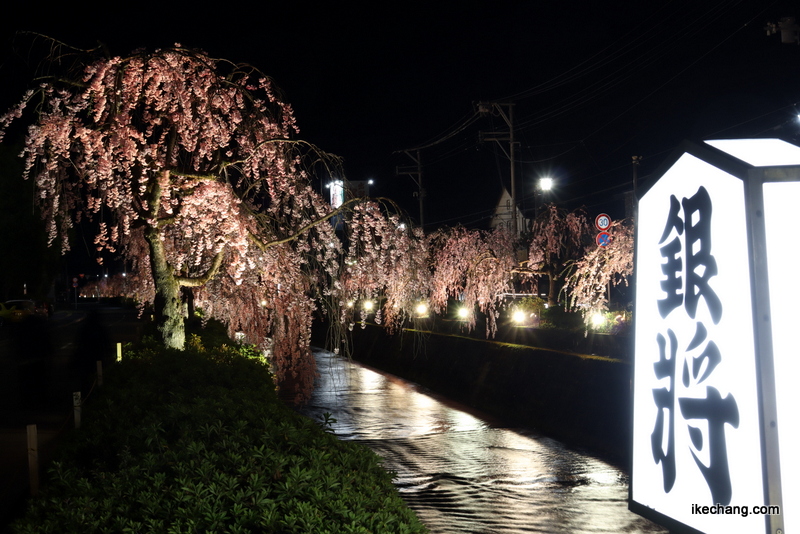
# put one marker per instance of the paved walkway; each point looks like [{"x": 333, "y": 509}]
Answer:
[{"x": 41, "y": 364}]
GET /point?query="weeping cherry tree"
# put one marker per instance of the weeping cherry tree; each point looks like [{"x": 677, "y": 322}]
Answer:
[
  {"x": 560, "y": 237},
  {"x": 474, "y": 267},
  {"x": 601, "y": 268},
  {"x": 189, "y": 168}
]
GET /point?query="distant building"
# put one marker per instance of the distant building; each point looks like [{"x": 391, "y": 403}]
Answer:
[{"x": 502, "y": 216}]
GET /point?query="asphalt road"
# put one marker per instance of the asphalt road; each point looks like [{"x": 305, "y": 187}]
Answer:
[{"x": 42, "y": 362}]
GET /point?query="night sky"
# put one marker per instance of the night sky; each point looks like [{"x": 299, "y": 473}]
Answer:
[{"x": 592, "y": 86}]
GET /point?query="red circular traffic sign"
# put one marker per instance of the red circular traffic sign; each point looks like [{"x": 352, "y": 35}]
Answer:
[
  {"x": 602, "y": 222},
  {"x": 603, "y": 239}
]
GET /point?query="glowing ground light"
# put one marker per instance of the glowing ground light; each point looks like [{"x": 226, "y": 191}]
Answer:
[
  {"x": 519, "y": 316},
  {"x": 598, "y": 320},
  {"x": 463, "y": 313},
  {"x": 368, "y": 305},
  {"x": 422, "y": 308}
]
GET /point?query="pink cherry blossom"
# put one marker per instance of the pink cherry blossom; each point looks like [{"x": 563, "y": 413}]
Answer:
[
  {"x": 600, "y": 268},
  {"x": 559, "y": 238},
  {"x": 189, "y": 166}
]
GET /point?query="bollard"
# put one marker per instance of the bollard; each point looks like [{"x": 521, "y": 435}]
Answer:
[
  {"x": 33, "y": 459},
  {"x": 76, "y": 407},
  {"x": 119, "y": 352},
  {"x": 99, "y": 373}
]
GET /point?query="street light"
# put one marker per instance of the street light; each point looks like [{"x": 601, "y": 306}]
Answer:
[{"x": 545, "y": 186}]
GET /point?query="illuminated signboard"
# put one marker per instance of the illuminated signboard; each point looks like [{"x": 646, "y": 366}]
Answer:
[
  {"x": 707, "y": 405},
  {"x": 341, "y": 190},
  {"x": 780, "y": 208},
  {"x": 337, "y": 193}
]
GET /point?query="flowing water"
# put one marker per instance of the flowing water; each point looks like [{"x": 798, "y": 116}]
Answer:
[{"x": 461, "y": 473}]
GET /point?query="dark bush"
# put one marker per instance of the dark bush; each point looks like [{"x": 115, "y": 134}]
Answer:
[
  {"x": 197, "y": 441},
  {"x": 558, "y": 317}
]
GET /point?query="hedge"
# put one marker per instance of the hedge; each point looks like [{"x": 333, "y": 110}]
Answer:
[{"x": 198, "y": 441}]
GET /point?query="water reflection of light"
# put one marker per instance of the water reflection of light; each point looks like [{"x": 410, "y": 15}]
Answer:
[
  {"x": 464, "y": 422},
  {"x": 419, "y": 401},
  {"x": 461, "y": 474},
  {"x": 370, "y": 380}
]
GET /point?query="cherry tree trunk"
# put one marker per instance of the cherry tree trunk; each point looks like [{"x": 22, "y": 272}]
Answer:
[
  {"x": 554, "y": 290},
  {"x": 168, "y": 303}
]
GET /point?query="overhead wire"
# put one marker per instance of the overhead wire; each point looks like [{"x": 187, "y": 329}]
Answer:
[
  {"x": 462, "y": 124},
  {"x": 458, "y": 127},
  {"x": 671, "y": 78},
  {"x": 620, "y": 73},
  {"x": 713, "y": 15},
  {"x": 752, "y": 119},
  {"x": 570, "y": 75},
  {"x": 618, "y": 63},
  {"x": 606, "y": 59},
  {"x": 600, "y": 87},
  {"x": 623, "y": 72}
]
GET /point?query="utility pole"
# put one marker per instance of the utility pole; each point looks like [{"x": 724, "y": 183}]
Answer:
[
  {"x": 415, "y": 171},
  {"x": 508, "y": 116},
  {"x": 636, "y": 161},
  {"x": 788, "y": 28}
]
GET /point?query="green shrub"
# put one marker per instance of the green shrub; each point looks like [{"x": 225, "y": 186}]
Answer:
[
  {"x": 534, "y": 305},
  {"x": 197, "y": 441},
  {"x": 558, "y": 317},
  {"x": 610, "y": 322}
]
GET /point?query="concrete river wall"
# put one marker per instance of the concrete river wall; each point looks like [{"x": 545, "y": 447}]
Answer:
[{"x": 539, "y": 380}]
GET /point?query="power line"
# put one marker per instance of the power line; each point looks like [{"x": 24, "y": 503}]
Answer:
[{"x": 447, "y": 134}]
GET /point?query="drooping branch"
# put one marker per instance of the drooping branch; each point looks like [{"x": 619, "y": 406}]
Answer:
[
  {"x": 211, "y": 272},
  {"x": 264, "y": 245},
  {"x": 601, "y": 267},
  {"x": 559, "y": 238},
  {"x": 462, "y": 270},
  {"x": 193, "y": 164}
]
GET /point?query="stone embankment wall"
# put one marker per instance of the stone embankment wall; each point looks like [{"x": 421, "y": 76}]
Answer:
[{"x": 579, "y": 398}]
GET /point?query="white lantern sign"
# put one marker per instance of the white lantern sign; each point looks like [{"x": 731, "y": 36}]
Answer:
[
  {"x": 705, "y": 418},
  {"x": 337, "y": 193}
]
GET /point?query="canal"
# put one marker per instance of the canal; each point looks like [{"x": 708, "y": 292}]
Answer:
[{"x": 461, "y": 472}]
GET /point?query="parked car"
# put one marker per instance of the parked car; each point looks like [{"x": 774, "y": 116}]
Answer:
[
  {"x": 13, "y": 312},
  {"x": 43, "y": 309},
  {"x": 31, "y": 308}
]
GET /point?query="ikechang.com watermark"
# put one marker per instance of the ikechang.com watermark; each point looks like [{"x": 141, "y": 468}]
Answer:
[{"x": 744, "y": 511}]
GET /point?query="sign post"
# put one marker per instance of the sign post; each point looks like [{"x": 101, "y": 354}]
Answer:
[
  {"x": 603, "y": 222},
  {"x": 711, "y": 386}
]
